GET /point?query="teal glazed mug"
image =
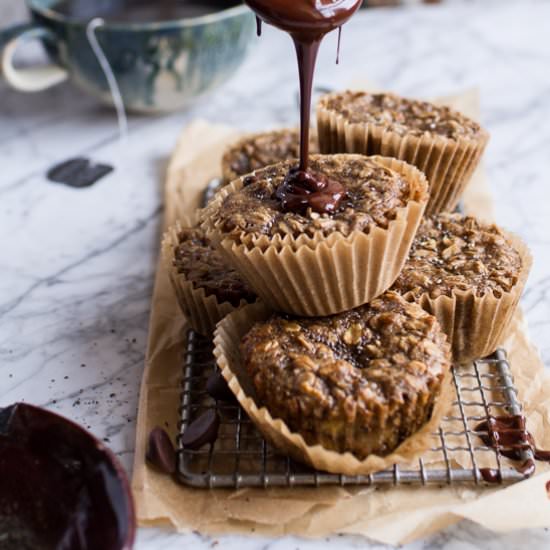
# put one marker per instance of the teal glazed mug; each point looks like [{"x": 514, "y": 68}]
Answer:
[{"x": 158, "y": 66}]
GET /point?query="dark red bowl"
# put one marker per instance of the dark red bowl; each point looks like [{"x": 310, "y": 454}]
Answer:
[{"x": 60, "y": 488}]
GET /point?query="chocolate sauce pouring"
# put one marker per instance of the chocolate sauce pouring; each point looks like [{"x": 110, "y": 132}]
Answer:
[{"x": 307, "y": 22}]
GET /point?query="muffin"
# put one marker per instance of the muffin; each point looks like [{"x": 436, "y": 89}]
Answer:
[
  {"x": 469, "y": 275},
  {"x": 207, "y": 289},
  {"x": 319, "y": 252},
  {"x": 262, "y": 149},
  {"x": 348, "y": 393},
  {"x": 439, "y": 141}
]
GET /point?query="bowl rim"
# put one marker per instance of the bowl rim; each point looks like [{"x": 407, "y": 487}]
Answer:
[
  {"x": 215, "y": 17},
  {"x": 121, "y": 475}
]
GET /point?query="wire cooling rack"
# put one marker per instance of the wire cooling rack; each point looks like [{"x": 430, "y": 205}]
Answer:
[{"x": 240, "y": 456}]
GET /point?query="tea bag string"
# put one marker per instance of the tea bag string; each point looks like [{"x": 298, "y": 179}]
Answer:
[{"x": 109, "y": 75}]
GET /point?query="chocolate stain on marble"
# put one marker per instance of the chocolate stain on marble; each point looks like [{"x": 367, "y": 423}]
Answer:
[{"x": 78, "y": 173}]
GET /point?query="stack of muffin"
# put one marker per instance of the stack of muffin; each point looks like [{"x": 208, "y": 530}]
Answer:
[{"x": 343, "y": 359}]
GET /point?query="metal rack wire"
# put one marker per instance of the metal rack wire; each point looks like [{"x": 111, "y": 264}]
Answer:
[{"x": 240, "y": 457}]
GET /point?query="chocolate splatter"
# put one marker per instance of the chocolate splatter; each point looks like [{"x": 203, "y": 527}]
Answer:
[
  {"x": 510, "y": 437},
  {"x": 78, "y": 172}
]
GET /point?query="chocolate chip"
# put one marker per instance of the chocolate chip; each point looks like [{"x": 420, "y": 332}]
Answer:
[
  {"x": 202, "y": 430},
  {"x": 78, "y": 172},
  {"x": 160, "y": 451},
  {"x": 217, "y": 388}
]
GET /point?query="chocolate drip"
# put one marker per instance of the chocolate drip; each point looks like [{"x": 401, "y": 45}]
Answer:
[
  {"x": 527, "y": 467},
  {"x": 509, "y": 436},
  {"x": 543, "y": 456},
  {"x": 258, "y": 26},
  {"x": 302, "y": 190},
  {"x": 490, "y": 475},
  {"x": 307, "y": 22},
  {"x": 338, "y": 46}
]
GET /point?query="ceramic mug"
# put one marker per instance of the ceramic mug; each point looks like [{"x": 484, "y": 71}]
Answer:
[{"x": 158, "y": 66}]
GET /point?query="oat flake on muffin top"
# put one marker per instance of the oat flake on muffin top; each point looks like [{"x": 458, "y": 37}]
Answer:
[
  {"x": 360, "y": 381},
  {"x": 454, "y": 252},
  {"x": 401, "y": 115},
  {"x": 373, "y": 195}
]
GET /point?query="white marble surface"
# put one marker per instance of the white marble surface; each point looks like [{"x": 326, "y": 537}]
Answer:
[{"x": 77, "y": 265}]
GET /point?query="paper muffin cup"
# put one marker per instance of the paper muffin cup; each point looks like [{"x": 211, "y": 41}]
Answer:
[
  {"x": 447, "y": 163},
  {"x": 319, "y": 275},
  {"x": 201, "y": 310},
  {"x": 227, "y": 338},
  {"x": 476, "y": 325}
]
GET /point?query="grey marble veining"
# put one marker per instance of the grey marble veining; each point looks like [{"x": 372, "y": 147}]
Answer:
[{"x": 77, "y": 265}]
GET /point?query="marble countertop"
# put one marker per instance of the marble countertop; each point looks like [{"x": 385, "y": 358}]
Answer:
[{"x": 78, "y": 265}]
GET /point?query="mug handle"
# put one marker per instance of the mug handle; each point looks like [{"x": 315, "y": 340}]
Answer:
[{"x": 32, "y": 79}]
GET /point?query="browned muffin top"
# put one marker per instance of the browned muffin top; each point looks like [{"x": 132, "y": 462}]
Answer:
[
  {"x": 205, "y": 267},
  {"x": 400, "y": 115},
  {"x": 373, "y": 194},
  {"x": 455, "y": 252},
  {"x": 260, "y": 150},
  {"x": 361, "y": 364}
]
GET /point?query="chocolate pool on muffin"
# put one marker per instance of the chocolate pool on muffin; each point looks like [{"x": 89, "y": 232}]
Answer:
[
  {"x": 470, "y": 275},
  {"x": 438, "y": 140},
  {"x": 259, "y": 150},
  {"x": 322, "y": 241},
  {"x": 362, "y": 381},
  {"x": 206, "y": 286}
]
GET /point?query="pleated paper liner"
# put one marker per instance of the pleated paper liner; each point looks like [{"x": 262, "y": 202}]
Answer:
[
  {"x": 447, "y": 163},
  {"x": 320, "y": 275},
  {"x": 476, "y": 325},
  {"x": 201, "y": 310},
  {"x": 227, "y": 338}
]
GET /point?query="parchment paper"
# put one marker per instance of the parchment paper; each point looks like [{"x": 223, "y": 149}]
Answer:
[{"x": 391, "y": 515}]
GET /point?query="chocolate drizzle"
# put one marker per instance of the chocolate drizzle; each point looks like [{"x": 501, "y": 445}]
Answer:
[
  {"x": 338, "y": 46},
  {"x": 301, "y": 190},
  {"x": 509, "y": 436},
  {"x": 307, "y": 22},
  {"x": 258, "y": 26}
]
